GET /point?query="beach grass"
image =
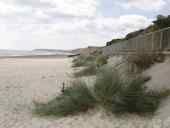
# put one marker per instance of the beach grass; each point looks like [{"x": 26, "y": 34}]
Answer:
[
  {"x": 143, "y": 60},
  {"x": 76, "y": 98},
  {"x": 127, "y": 96},
  {"x": 111, "y": 91},
  {"x": 86, "y": 71},
  {"x": 83, "y": 60}
]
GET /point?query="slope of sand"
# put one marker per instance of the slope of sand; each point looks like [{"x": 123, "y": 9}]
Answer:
[
  {"x": 25, "y": 80},
  {"x": 160, "y": 74}
]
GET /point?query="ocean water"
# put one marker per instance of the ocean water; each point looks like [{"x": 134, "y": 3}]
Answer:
[{"x": 31, "y": 53}]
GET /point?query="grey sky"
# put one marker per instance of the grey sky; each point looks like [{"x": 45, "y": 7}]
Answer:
[{"x": 68, "y": 24}]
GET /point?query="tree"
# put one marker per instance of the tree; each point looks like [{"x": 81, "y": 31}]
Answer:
[{"x": 162, "y": 21}]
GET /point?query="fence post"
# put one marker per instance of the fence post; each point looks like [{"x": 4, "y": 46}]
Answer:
[
  {"x": 137, "y": 44},
  {"x": 161, "y": 38},
  {"x": 152, "y": 41}
]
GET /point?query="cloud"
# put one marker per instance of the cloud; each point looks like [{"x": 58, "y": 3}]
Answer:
[
  {"x": 61, "y": 24},
  {"x": 75, "y": 8},
  {"x": 53, "y": 8},
  {"x": 121, "y": 24},
  {"x": 72, "y": 33},
  {"x": 8, "y": 9},
  {"x": 148, "y": 5}
]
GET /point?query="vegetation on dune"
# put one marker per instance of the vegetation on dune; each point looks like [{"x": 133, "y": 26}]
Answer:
[
  {"x": 134, "y": 34},
  {"x": 76, "y": 98},
  {"x": 136, "y": 98},
  {"x": 111, "y": 91},
  {"x": 97, "y": 53},
  {"x": 91, "y": 64},
  {"x": 144, "y": 60},
  {"x": 101, "y": 60},
  {"x": 83, "y": 60},
  {"x": 131, "y": 96},
  {"x": 78, "y": 61},
  {"x": 93, "y": 58},
  {"x": 86, "y": 71},
  {"x": 162, "y": 21},
  {"x": 107, "y": 84},
  {"x": 114, "y": 41}
]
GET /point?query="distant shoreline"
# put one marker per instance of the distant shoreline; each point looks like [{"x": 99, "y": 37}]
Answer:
[{"x": 34, "y": 57}]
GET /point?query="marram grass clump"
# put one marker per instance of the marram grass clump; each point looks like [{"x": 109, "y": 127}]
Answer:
[
  {"x": 101, "y": 60},
  {"x": 83, "y": 60},
  {"x": 127, "y": 96},
  {"x": 86, "y": 71},
  {"x": 76, "y": 98},
  {"x": 143, "y": 60},
  {"x": 134, "y": 98},
  {"x": 91, "y": 67},
  {"x": 107, "y": 84}
]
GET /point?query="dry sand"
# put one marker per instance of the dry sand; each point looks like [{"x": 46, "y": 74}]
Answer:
[
  {"x": 160, "y": 74},
  {"x": 25, "y": 80}
]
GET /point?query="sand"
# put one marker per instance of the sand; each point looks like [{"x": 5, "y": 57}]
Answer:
[
  {"x": 23, "y": 81},
  {"x": 160, "y": 74}
]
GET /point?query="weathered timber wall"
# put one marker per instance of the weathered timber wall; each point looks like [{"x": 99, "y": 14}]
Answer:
[{"x": 156, "y": 41}]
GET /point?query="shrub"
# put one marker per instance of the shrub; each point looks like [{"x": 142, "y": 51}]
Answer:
[
  {"x": 101, "y": 60},
  {"x": 134, "y": 34},
  {"x": 90, "y": 58},
  {"x": 78, "y": 61},
  {"x": 83, "y": 60},
  {"x": 76, "y": 98},
  {"x": 114, "y": 41},
  {"x": 145, "y": 60},
  {"x": 162, "y": 21},
  {"x": 136, "y": 98},
  {"x": 86, "y": 71},
  {"x": 107, "y": 84},
  {"x": 128, "y": 96},
  {"x": 97, "y": 52}
]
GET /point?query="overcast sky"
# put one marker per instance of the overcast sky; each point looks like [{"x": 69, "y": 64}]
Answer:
[{"x": 68, "y": 24}]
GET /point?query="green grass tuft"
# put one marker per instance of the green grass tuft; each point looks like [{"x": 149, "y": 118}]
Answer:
[
  {"x": 130, "y": 96},
  {"x": 135, "y": 97},
  {"x": 108, "y": 83},
  {"x": 83, "y": 60},
  {"x": 91, "y": 65},
  {"x": 101, "y": 60},
  {"x": 86, "y": 71},
  {"x": 144, "y": 60},
  {"x": 76, "y": 98}
]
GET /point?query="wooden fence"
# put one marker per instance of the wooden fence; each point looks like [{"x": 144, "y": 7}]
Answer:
[{"x": 158, "y": 41}]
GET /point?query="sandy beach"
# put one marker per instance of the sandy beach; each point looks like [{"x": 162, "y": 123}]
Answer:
[
  {"x": 23, "y": 81},
  {"x": 26, "y": 80}
]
